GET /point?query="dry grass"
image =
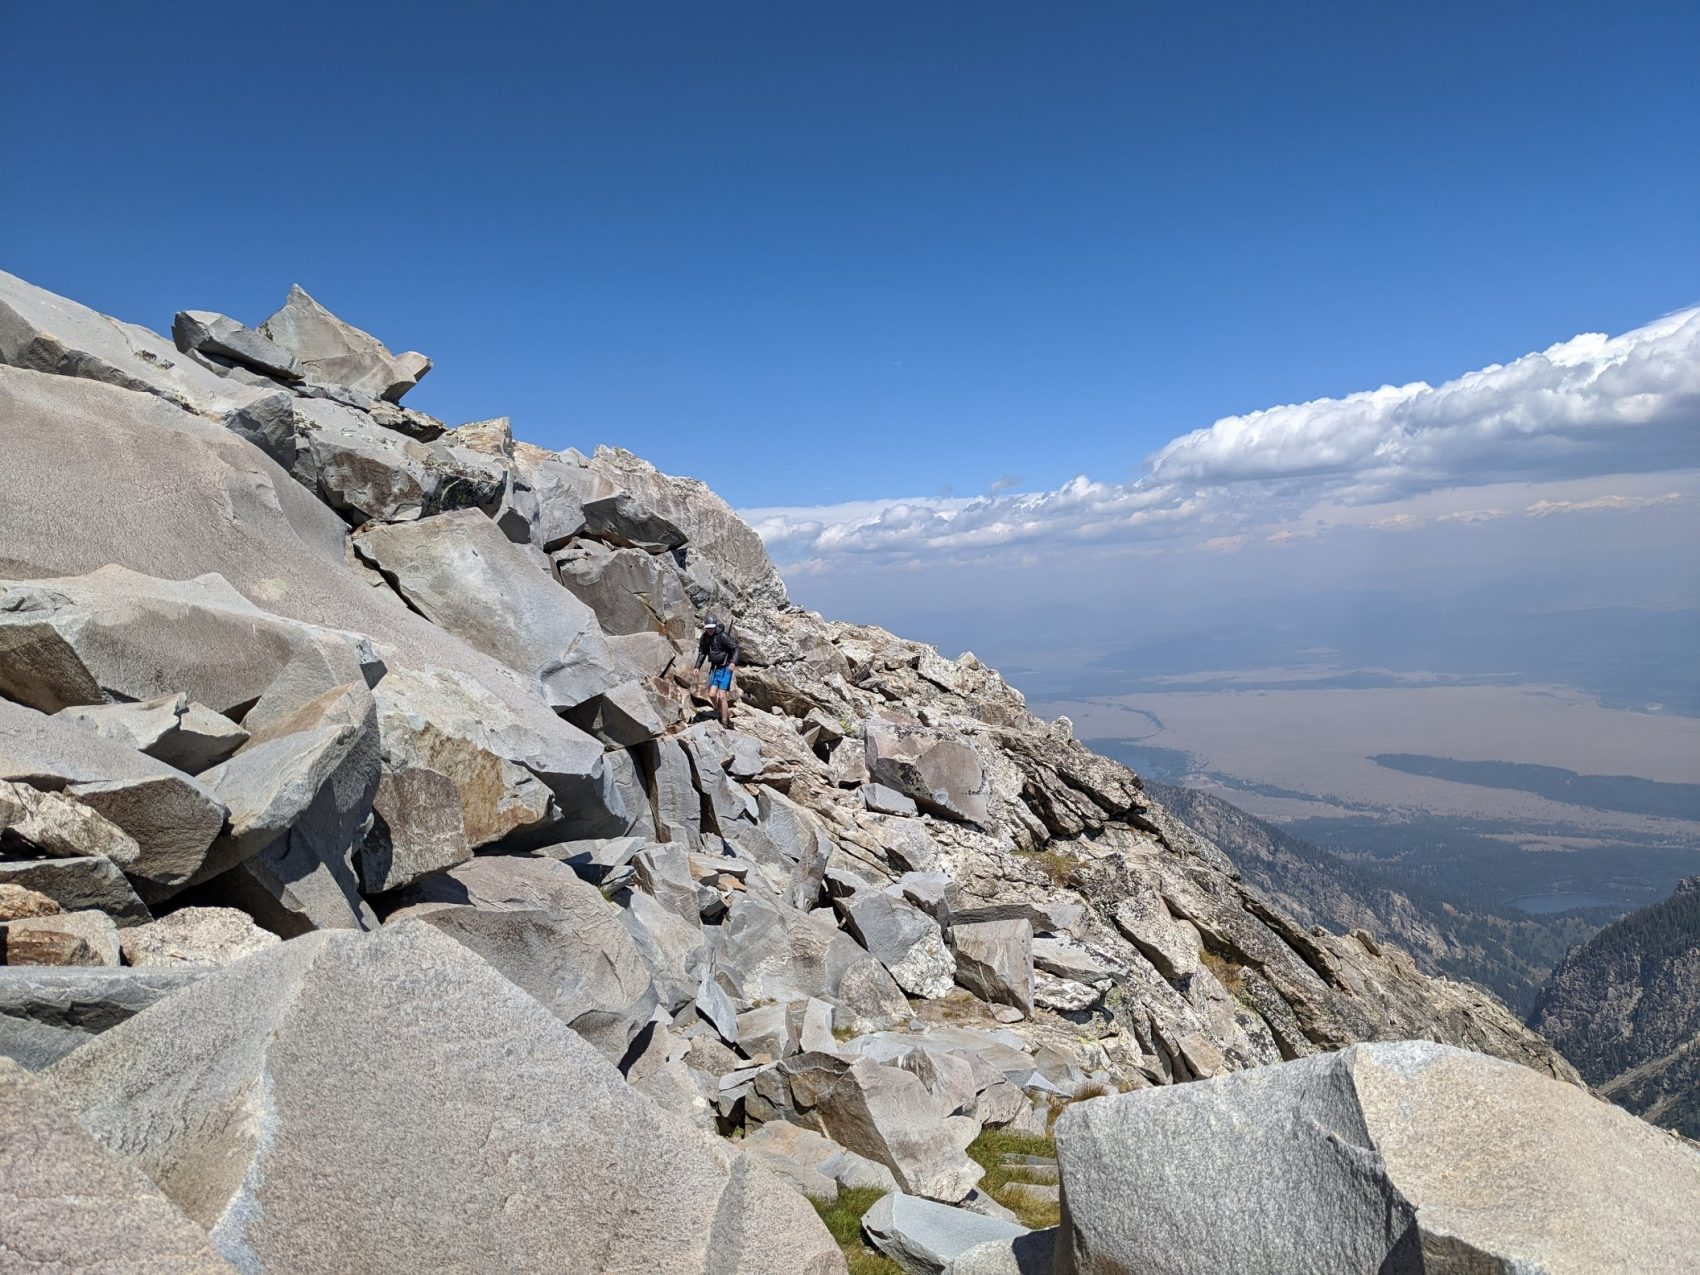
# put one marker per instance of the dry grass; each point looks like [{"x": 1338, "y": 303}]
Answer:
[
  {"x": 843, "y": 1217},
  {"x": 1230, "y": 974},
  {"x": 988, "y": 1151},
  {"x": 1058, "y": 865}
]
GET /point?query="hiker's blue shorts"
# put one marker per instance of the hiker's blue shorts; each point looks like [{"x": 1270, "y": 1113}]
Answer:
[{"x": 721, "y": 678}]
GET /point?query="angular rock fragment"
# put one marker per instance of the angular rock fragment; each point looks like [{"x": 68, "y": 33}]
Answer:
[
  {"x": 116, "y": 634},
  {"x": 905, "y": 940},
  {"x": 337, "y": 353},
  {"x": 886, "y": 801},
  {"x": 631, "y": 591},
  {"x": 64, "y": 938},
  {"x": 300, "y": 794},
  {"x": 941, "y": 775},
  {"x": 173, "y": 729},
  {"x": 194, "y": 936},
  {"x": 228, "y": 342},
  {"x": 52, "y": 336},
  {"x": 994, "y": 960},
  {"x": 723, "y": 553},
  {"x": 1396, "y": 1157},
  {"x": 887, "y": 1115},
  {"x": 19, "y": 901},
  {"x": 460, "y": 572},
  {"x": 317, "y": 1075},
  {"x": 171, "y": 817},
  {"x": 869, "y": 998},
  {"x": 72, "y": 1205},
  {"x": 93, "y": 881},
  {"x": 926, "y": 1238},
  {"x": 510, "y": 775}
]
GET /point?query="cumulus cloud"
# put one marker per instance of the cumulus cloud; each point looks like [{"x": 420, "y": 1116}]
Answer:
[{"x": 1588, "y": 407}]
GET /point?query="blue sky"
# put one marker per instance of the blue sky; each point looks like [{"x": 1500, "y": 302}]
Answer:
[{"x": 823, "y": 253}]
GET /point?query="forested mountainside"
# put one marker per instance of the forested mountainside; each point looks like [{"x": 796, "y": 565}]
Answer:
[
  {"x": 1625, "y": 1008},
  {"x": 1509, "y": 954}
]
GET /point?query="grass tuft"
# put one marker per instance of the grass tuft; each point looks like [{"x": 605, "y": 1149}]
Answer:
[
  {"x": 843, "y": 1217},
  {"x": 988, "y": 1151}
]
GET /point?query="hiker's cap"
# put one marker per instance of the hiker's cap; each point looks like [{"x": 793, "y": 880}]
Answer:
[{"x": 711, "y": 623}]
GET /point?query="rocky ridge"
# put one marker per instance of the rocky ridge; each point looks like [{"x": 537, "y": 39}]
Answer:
[
  {"x": 1626, "y": 1007},
  {"x": 324, "y": 666},
  {"x": 1510, "y": 954}
]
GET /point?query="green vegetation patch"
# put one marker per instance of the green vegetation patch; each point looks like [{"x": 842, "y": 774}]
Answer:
[
  {"x": 988, "y": 1151},
  {"x": 843, "y": 1217}
]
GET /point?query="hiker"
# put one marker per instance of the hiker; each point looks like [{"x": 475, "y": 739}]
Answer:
[{"x": 720, "y": 649}]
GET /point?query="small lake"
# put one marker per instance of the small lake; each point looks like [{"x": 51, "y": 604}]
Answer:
[{"x": 1541, "y": 904}]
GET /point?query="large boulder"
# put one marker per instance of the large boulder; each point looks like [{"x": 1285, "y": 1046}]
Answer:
[
  {"x": 365, "y": 471},
  {"x": 389, "y": 1101},
  {"x": 300, "y": 796},
  {"x": 887, "y": 1115},
  {"x": 62, "y": 938},
  {"x": 724, "y": 556},
  {"x": 576, "y": 959},
  {"x": 33, "y": 821},
  {"x": 337, "y": 353},
  {"x": 460, "y": 572},
  {"x": 1403, "y": 1157},
  {"x": 49, "y": 334},
  {"x": 225, "y": 342},
  {"x": 940, "y": 774},
  {"x": 905, "y": 940},
  {"x": 69, "y": 1204},
  {"x": 172, "y": 817},
  {"x": 994, "y": 960},
  {"x": 631, "y": 591},
  {"x": 116, "y": 636},
  {"x": 91, "y": 881}
]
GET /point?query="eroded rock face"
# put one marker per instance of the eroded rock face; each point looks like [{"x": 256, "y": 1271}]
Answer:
[
  {"x": 361, "y": 1061},
  {"x": 1399, "y": 1157}
]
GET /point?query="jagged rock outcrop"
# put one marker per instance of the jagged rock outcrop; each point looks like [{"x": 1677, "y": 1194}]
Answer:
[
  {"x": 1625, "y": 1008},
  {"x": 1509, "y": 953},
  {"x": 335, "y": 667},
  {"x": 1398, "y": 1158}
]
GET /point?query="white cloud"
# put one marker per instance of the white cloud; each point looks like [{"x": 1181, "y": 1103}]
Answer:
[
  {"x": 1599, "y": 504},
  {"x": 1586, "y": 408}
]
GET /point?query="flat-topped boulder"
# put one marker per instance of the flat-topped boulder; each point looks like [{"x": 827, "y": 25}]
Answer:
[{"x": 1399, "y": 1157}]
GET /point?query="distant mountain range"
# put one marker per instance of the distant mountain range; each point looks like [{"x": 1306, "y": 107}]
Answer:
[
  {"x": 1624, "y": 1007},
  {"x": 1510, "y": 954}
]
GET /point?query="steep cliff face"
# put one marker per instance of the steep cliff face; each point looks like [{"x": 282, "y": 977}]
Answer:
[
  {"x": 1625, "y": 1008},
  {"x": 1509, "y": 955},
  {"x": 307, "y": 663}
]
